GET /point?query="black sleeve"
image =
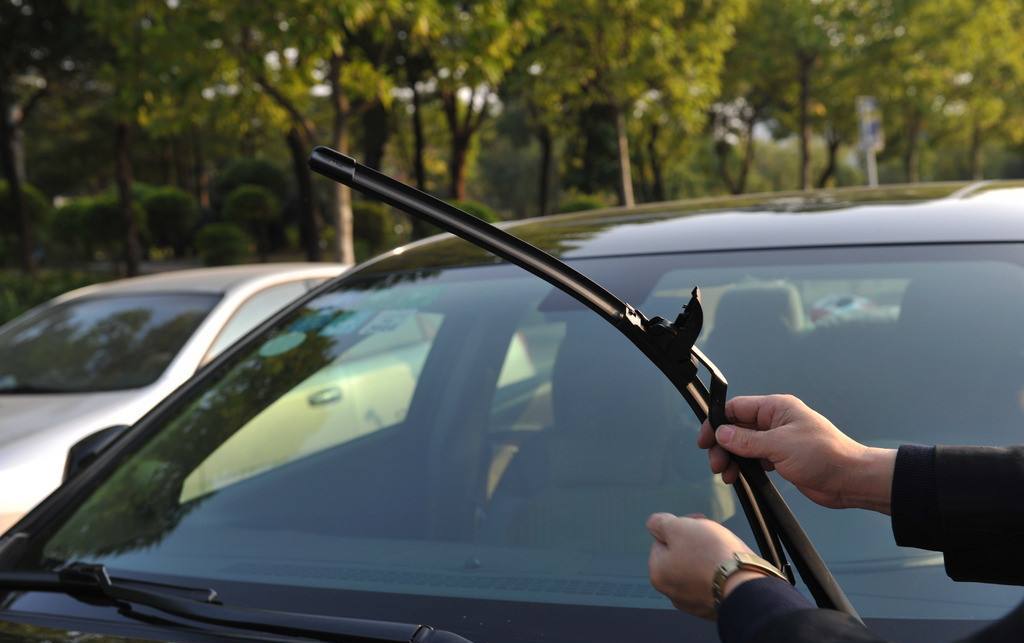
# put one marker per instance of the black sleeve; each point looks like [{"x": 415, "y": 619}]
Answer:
[{"x": 964, "y": 502}]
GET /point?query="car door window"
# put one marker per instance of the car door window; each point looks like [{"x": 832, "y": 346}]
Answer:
[{"x": 254, "y": 310}]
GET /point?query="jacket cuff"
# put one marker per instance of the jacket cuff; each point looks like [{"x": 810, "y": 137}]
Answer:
[
  {"x": 915, "y": 506},
  {"x": 753, "y": 604}
]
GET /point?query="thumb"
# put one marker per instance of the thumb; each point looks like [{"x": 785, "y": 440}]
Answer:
[
  {"x": 744, "y": 442},
  {"x": 657, "y": 524}
]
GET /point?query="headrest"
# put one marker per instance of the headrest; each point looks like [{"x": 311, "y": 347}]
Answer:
[
  {"x": 759, "y": 310},
  {"x": 603, "y": 386}
]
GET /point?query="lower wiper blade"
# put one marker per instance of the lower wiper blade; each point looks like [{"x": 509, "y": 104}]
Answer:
[
  {"x": 669, "y": 345},
  {"x": 202, "y": 605}
]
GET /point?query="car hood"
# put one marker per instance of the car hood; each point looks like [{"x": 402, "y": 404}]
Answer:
[{"x": 22, "y": 416}]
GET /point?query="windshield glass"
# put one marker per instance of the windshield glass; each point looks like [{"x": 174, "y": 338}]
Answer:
[
  {"x": 98, "y": 343},
  {"x": 471, "y": 433}
]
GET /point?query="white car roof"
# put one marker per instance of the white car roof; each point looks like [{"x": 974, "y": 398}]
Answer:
[{"x": 213, "y": 280}]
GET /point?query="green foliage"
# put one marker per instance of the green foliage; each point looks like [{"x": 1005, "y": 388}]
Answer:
[
  {"x": 86, "y": 226},
  {"x": 220, "y": 244},
  {"x": 171, "y": 214},
  {"x": 38, "y": 209},
  {"x": 580, "y": 202},
  {"x": 478, "y": 210},
  {"x": 255, "y": 208},
  {"x": 248, "y": 172},
  {"x": 374, "y": 232},
  {"x": 19, "y": 292}
]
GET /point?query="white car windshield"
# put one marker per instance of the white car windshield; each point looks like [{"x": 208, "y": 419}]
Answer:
[{"x": 98, "y": 343}]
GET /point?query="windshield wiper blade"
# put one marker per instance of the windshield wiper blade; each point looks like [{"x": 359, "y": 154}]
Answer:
[
  {"x": 203, "y": 605},
  {"x": 669, "y": 345}
]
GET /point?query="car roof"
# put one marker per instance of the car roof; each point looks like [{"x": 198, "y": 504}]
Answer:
[
  {"x": 983, "y": 211},
  {"x": 218, "y": 280}
]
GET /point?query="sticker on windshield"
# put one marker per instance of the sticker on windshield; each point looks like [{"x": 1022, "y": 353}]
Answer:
[
  {"x": 387, "y": 321},
  {"x": 311, "y": 323},
  {"x": 282, "y": 344},
  {"x": 346, "y": 323}
]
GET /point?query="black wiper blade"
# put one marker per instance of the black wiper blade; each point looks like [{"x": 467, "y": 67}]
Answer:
[
  {"x": 203, "y": 605},
  {"x": 669, "y": 345}
]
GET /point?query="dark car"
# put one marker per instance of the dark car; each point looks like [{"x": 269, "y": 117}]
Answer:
[{"x": 496, "y": 485}]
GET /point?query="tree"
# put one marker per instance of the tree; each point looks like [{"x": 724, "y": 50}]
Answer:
[
  {"x": 171, "y": 214},
  {"x": 469, "y": 47},
  {"x": 336, "y": 51},
  {"x": 256, "y": 208},
  {"x": 622, "y": 52},
  {"x": 39, "y": 40}
]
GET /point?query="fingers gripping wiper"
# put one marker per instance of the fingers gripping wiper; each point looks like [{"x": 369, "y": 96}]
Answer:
[
  {"x": 670, "y": 345},
  {"x": 204, "y": 606}
]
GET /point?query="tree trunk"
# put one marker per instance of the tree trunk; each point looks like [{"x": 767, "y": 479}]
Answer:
[
  {"x": 14, "y": 189},
  {"x": 911, "y": 163},
  {"x": 376, "y": 129},
  {"x": 457, "y": 166},
  {"x": 341, "y": 196},
  {"x": 544, "y": 180},
  {"x": 722, "y": 152},
  {"x": 420, "y": 229},
  {"x": 833, "y": 149},
  {"x": 200, "y": 179},
  {"x": 625, "y": 172},
  {"x": 123, "y": 176},
  {"x": 748, "y": 156},
  {"x": 804, "y": 71},
  {"x": 309, "y": 226},
  {"x": 658, "y": 186},
  {"x": 977, "y": 171}
]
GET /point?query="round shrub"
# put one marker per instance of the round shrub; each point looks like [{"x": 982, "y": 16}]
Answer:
[
  {"x": 478, "y": 210},
  {"x": 35, "y": 205},
  {"x": 221, "y": 244},
  {"x": 373, "y": 228},
  {"x": 71, "y": 238},
  {"x": 255, "y": 208},
  {"x": 580, "y": 202},
  {"x": 248, "y": 172},
  {"x": 171, "y": 214}
]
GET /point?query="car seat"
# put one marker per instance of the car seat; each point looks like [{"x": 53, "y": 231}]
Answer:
[
  {"x": 621, "y": 447},
  {"x": 754, "y": 331}
]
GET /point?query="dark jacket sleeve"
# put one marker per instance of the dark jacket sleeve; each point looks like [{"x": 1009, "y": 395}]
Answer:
[{"x": 964, "y": 502}]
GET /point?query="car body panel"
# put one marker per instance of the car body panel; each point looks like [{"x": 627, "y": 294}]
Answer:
[{"x": 36, "y": 430}]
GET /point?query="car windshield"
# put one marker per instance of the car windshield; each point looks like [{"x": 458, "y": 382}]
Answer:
[
  {"x": 471, "y": 433},
  {"x": 98, "y": 343}
]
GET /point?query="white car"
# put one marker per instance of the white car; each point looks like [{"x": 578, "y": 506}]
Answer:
[{"x": 106, "y": 354}]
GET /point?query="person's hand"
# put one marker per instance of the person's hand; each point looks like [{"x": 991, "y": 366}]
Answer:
[
  {"x": 805, "y": 448},
  {"x": 684, "y": 555}
]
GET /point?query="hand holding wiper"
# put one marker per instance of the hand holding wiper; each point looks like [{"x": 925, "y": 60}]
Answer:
[{"x": 670, "y": 345}]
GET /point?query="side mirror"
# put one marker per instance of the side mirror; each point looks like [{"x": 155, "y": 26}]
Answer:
[{"x": 82, "y": 454}]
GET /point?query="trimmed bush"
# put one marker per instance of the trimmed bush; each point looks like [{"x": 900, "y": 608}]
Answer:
[
  {"x": 248, "y": 172},
  {"x": 478, "y": 210},
  {"x": 373, "y": 228},
  {"x": 19, "y": 292},
  {"x": 255, "y": 208},
  {"x": 221, "y": 244},
  {"x": 40, "y": 216},
  {"x": 171, "y": 214},
  {"x": 580, "y": 202}
]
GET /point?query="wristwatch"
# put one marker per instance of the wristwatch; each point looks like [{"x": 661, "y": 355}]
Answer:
[{"x": 740, "y": 560}]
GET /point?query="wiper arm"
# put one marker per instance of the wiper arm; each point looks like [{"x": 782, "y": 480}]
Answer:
[
  {"x": 669, "y": 345},
  {"x": 204, "y": 606}
]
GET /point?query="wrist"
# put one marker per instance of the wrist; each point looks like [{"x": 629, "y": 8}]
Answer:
[
  {"x": 870, "y": 482},
  {"x": 738, "y": 578}
]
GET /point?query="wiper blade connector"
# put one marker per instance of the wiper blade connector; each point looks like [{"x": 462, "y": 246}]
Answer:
[{"x": 202, "y": 605}]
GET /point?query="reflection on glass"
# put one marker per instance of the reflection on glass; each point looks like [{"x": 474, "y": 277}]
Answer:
[{"x": 98, "y": 343}]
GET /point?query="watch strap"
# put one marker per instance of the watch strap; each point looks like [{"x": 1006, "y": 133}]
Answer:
[{"x": 733, "y": 564}]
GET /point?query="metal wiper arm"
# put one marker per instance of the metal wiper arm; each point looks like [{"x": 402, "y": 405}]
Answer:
[
  {"x": 205, "y": 607},
  {"x": 669, "y": 345}
]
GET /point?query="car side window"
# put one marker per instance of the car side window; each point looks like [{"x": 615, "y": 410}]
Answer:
[{"x": 253, "y": 311}]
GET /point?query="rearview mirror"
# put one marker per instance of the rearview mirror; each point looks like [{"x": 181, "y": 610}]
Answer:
[{"x": 82, "y": 454}]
